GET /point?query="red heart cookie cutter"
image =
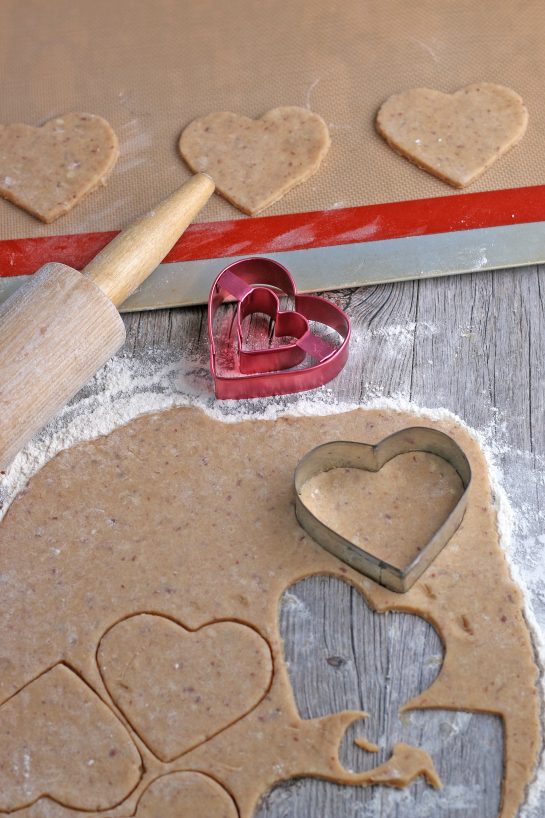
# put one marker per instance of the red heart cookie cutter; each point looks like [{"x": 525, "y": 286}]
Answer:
[{"x": 254, "y": 283}]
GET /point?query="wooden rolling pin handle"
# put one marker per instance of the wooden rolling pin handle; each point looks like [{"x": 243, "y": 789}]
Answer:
[{"x": 128, "y": 260}]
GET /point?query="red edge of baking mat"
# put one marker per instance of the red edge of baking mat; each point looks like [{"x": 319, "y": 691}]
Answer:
[{"x": 298, "y": 231}]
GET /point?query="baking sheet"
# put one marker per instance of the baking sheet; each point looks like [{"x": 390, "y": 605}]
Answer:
[{"x": 151, "y": 67}]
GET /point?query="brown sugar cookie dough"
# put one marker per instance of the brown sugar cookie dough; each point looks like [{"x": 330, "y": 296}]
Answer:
[
  {"x": 185, "y": 520},
  {"x": 146, "y": 660},
  {"x": 456, "y": 137},
  {"x": 405, "y": 764},
  {"x": 254, "y": 162},
  {"x": 177, "y": 795},
  {"x": 413, "y": 495},
  {"x": 48, "y": 170},
  {"x": 37, "y": 725}
]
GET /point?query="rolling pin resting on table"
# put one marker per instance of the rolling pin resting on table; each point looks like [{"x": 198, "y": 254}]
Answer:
[{"x": 58, "y": 330}]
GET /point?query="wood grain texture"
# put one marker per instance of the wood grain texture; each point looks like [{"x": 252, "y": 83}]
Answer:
[
  {"x": 55, "y": 332},
  {"x": 473, "y": 344}
]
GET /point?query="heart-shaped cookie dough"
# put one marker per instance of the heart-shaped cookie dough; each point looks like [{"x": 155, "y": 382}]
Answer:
[
  {"x": 456, "y": 137},
  {"x": 190, "y": 794},
  {"x": 254, "y": 162},
  {"x": 48, "y": 170},
  {"x": 178, "y": 688},
  {"x": 54, "y": 712}
]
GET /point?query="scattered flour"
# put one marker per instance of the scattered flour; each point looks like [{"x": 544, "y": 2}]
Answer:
[
  {"x": 310, "y": 89},
  {"x": 128, "y": 387}
]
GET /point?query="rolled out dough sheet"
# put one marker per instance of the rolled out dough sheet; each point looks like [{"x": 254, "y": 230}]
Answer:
[{"x": 177, "y": 521}]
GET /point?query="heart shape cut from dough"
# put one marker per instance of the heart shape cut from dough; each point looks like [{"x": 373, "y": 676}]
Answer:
[
  {"x": 189, "y": 794},
  {"x": 178, "y": 688},
  {"x": 55, "y": 711},
  {"x": 254, "y": 162},
  {"x": 455, "y": 137},
  {"x": 48, "y": 170},
  {"x": 327, "y": 507}
]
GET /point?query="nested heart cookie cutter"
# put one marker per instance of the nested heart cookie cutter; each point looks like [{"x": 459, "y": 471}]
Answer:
[
  {"x": 255, "y": 283},
  {"x": 349, "y": 454}
]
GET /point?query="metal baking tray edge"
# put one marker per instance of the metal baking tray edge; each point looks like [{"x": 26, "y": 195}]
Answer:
[{"x": 348, "y": 265}]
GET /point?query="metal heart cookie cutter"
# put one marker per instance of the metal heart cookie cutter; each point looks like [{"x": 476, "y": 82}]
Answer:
[
  {"x": 346, "y": 454},
  {"x": 255, "y": 283}
]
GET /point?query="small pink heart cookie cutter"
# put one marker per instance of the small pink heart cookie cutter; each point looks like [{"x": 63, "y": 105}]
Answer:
[{"x": 254, "y": 283}]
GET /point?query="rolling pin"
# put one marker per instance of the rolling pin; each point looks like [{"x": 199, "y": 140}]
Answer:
[{"x": 61, "y": 327}]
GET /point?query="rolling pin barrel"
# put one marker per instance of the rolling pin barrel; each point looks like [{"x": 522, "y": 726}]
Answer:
[
  {"x": 61, "y": 327},
  {"x": 54, "y": 336}
]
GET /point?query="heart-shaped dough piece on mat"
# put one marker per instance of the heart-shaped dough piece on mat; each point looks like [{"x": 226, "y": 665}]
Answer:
[
  {"x": 59, "y": 739},
  {"x": 190, "y": 794},
  {"x": 254, "y": 162},
  {"x": 48, "y": 170},
  {"x": 456, "y": 137},
  {"x": 178, "y": 688}
]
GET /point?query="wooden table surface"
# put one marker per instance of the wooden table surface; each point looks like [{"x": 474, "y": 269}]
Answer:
[{"x": 473, "y": 344}]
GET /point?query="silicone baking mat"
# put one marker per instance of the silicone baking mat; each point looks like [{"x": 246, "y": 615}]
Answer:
[{"x": 151, "y": 67}]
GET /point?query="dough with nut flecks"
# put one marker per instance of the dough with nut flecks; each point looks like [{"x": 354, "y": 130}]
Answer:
[
  {"x": 180, "y": 519},
  {"x": 254, "y": 162},
  {"x": 455, "y": 137},
  {"x": 48, "y": 170}
]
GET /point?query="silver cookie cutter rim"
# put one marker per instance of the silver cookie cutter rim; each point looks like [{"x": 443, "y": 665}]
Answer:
[{"x": 372, "y": 457}]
